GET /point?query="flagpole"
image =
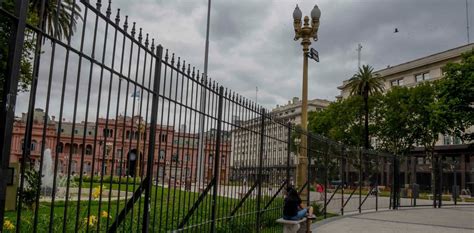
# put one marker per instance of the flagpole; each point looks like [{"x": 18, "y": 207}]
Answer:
[{"x": 201, "y": 160}]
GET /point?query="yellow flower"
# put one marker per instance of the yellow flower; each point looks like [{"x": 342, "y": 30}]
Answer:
[
  {"x": 97, "y": 192},
  {"x": 104, "y": 214},
  {"x": 91, "y": 220},
  {"x": 7, "y": 225}
]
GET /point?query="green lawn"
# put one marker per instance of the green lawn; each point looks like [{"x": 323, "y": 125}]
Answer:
[{"x": 168, "y": 209}]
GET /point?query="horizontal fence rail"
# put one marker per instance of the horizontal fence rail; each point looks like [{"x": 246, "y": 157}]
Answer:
[{"x": 116, "y": 133}]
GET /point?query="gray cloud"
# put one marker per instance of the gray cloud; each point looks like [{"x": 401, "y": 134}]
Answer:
[{"x": 252, "y": 43}]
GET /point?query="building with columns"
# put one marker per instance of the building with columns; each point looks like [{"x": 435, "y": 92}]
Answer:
[{"x": 246, "y": 139}]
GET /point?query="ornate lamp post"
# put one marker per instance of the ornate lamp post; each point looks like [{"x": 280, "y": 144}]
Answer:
[{"x": 305, "y": 32}]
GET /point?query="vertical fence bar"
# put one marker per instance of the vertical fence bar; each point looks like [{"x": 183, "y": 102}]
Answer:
[
  {"x": 216, "y": 160},
  {"x": 9, "y": 98},
  {"x": 343, "y": 177},
  {"x": 440, "y": 180},
  {"x": 259, "y": 171},
  {"x": 151, "y": 144},
  {"x": 360, "y": 180},
  {"x": 326, "y": 182},
  {"x": 377, "y": 173}
]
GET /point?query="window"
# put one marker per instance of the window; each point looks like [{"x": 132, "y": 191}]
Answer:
[
  {"x": 447, "y": 140},
  {"x": 457, "y": 140},
  {"x": 119, "y": 153},
  {"x": 59, "y": 149},
  {"x": 127, "y": 134},
  {"x": 76, "y": 132},
  {"x": 74, "y": 148},
  {"x": 187, "y": 157},
  {"x": 163, "y": 137},
  {"x": 420, "y": 160},
  {"x": 210, "y": 159},
  {"x": 108, "y": 133},
  {"x": 162, "y": 154},
  {"x": 33, "y": 145},
  {"x": 397, "y": 82},
  {"x": 88, "y": 149},
  {"x": 223, "y": 162},
  {"x": 422, "y": 77},
  {"x": 175, "y": 158}
]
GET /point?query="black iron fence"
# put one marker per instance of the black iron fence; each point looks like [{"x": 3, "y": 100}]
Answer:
[{"x": 118, "y": 134}]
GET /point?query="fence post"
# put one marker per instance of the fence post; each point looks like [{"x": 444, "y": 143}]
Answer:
[
  {"x": 8, "y": 98},
  {"x": 395, "y": 183},
  {"x": 151, "y": 144},
  {"x": 260, "y": 166},
  {"x": 217, "y": 160},
  {"x": 288, "y": 151}
]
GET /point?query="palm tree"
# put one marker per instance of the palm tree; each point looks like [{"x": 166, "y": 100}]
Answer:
[
  {"x": 68, "y": 13},
  {"x": 365, "y": 83}
]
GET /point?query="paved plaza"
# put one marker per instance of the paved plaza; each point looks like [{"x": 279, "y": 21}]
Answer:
[{"x": 416, "y": 220}]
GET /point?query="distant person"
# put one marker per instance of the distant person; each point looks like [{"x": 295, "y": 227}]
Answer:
[
  {"x": 320, "y": 190},
  {"x": 293, "y": 208}
]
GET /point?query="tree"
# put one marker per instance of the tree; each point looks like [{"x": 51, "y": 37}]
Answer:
[
  {"x": 394, "y": 121},
  {"x": 365, "y": 83},
  {"x": 339, "y": 121},
  {"x": 68, "y": 15},
  {"x": 456, "y": 90},
  {"x": 431, "y": 116}
]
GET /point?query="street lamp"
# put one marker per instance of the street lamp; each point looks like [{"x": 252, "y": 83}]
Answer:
[{"x": 305, "y": 32}]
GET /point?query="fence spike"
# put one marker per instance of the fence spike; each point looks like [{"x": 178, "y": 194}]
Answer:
[
  {"x": 166, "y": 55},
  {"x": 152, "y": 45},
  {"x": 125, "y": 24},
  {"x": 146, "y": 40},
  {"x": 133, "y": 30},
  {"x": 193, "y": 74},
  {"x": 140, "y": 35},
  {"x": 184, "y": 66},
  {"x": 117, "y": 17},
  {"x": 189, "y": 70},
  {"x": 108, "y": 12},
  {"x": 179, "y": 63},
  {"x": 172, "y": 59},
  {"x": 98, "y": 4}
]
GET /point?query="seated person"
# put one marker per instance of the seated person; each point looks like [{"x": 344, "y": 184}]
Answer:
[{"x": 293, "y": 209}]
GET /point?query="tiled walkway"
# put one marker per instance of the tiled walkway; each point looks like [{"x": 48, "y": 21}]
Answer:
[{"x": 419, "y": 220}]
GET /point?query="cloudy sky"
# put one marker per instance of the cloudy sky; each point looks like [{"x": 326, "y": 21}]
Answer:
[{"x": 251, "y": 41}]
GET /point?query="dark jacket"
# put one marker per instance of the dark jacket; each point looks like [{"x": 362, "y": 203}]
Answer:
[{"x": 291, "y": 206}]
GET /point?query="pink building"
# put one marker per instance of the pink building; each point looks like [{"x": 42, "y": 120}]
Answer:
[{"x": 113, "y": 145}]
